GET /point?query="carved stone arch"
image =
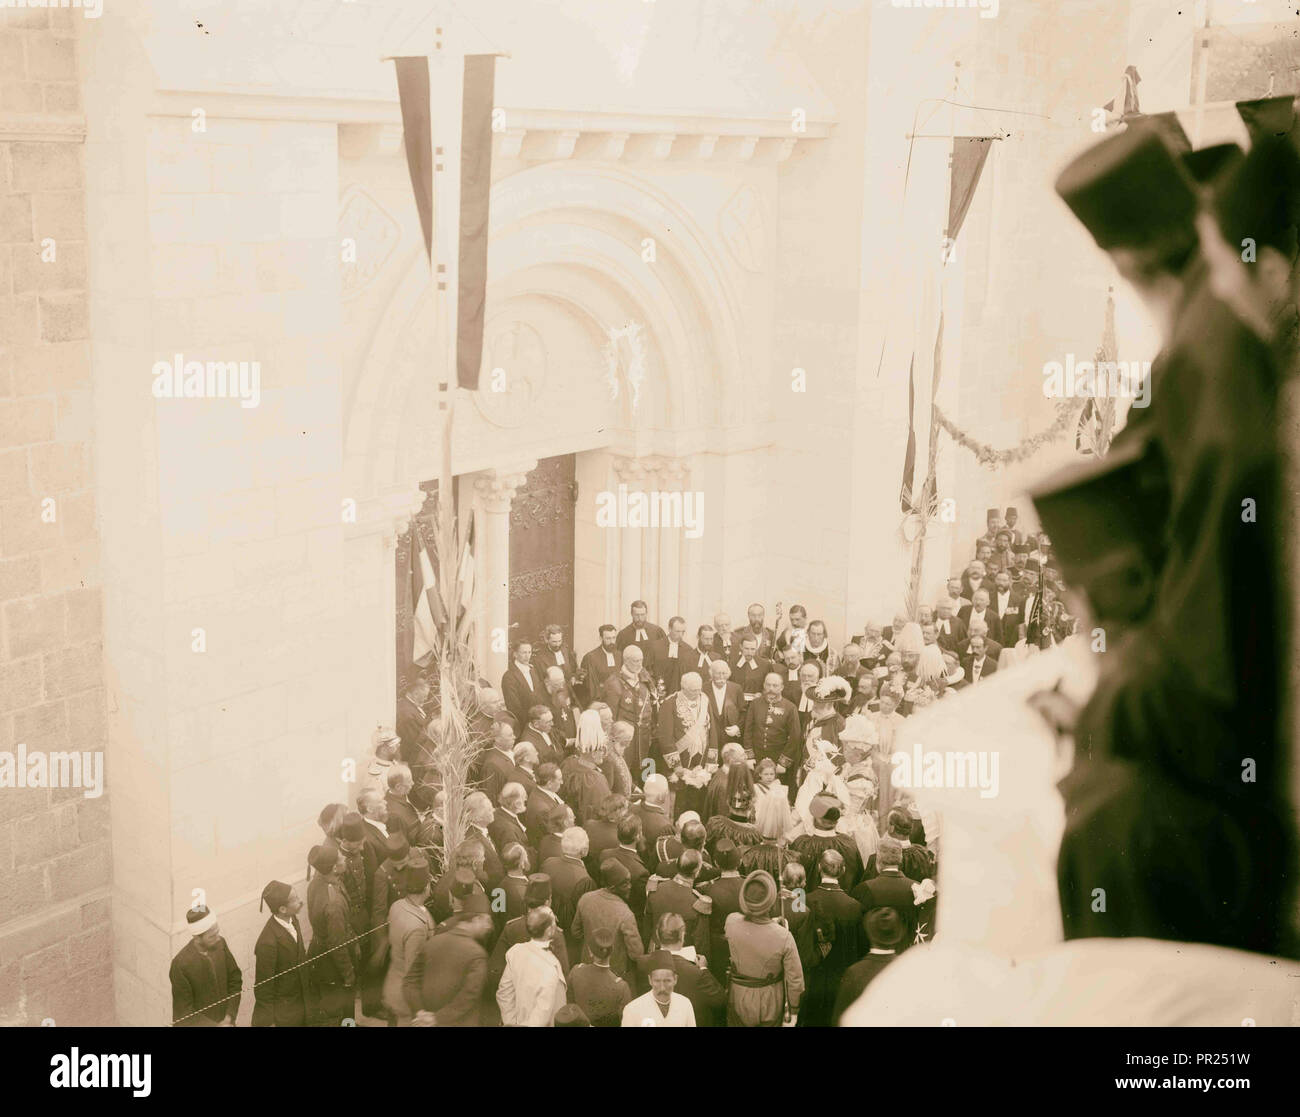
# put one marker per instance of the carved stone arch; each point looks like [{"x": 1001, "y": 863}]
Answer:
[{"x": 571, "y": 234}]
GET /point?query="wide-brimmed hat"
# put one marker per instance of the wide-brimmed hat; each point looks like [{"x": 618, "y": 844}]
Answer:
[{"x": 758, "y": 893}]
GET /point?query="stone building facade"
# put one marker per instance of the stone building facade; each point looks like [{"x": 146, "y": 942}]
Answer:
[{"x": 702, "y": 204}]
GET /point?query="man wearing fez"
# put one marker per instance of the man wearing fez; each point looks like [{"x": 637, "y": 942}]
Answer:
[
  {"x": 384, "y": 893},
  {"x": 662, "y": 1007},
  {"x": 206, "y": 982},
  {"x": 332, "y": 949},
  {"x": 282, "y": 987},
  {"x": 607, "y": 907},
  {"x": 1188, "y": 699},
  {"x": 454, "y": 967},
  {"x": 595, "y": 988}
]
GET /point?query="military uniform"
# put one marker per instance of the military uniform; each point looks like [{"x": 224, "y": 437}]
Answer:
[
  {"x": 336, "y": 958},
  {"x": 694, "y": 906}
]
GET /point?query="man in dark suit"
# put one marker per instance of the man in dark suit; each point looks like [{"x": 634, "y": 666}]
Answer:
[
  {"x": 628, "y": 854},
  {"x": 570, "y": 880},
  {"x": 979, "y": 610},
  {"x": 401, "y": 815},
  {"x": 978, "y": 665},
  {"x": 640, "y": 631},
  {"x": 726, "y": 708},
  {"x": 281, "y": 987},
  {"x": 884, "y": 932},
  {"x": 562, "y": 702},
  {"x": 599, "y": 663},
  {"x": 541, "y": 721},
  {"x": 890, "y": 888},
  {"x": 765, "y": 636},
  {"x": 724, "y": 892},
  {"x": 695, "y": 982},
  {"x": 726, "y": 643},
  {"x": 205, "y": 980},
  {"x": 542, "y": 799},
  {"x": 602, "y": 832},
  {"x": 772, "y": 730},
  {"x": 652, "y": 812},
  {"x": 836, "y": 918},
  {"x": 521, "y": 685},
  {"x": 672, "y": 657},
  {"x": 479, "y": 815},
  {"x": 950, "y": 629},
  {"x": 703, "y": 651},
  {"x": 412, "y": 721},
  {"x": 496, "y": 766},
  {"x": 1005, "y": 603},
  {"x": 508, "y": 820},
  {"x": 454, "y": 972},
  {"x": 555, "y": 653},
  {"x": 800, "y": 694},
  {"x": 372, "y": 806},
  {"x": 749, "y": 671}
]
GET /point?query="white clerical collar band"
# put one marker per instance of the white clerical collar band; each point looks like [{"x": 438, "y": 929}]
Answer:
[{"x": 202, "y": 926}]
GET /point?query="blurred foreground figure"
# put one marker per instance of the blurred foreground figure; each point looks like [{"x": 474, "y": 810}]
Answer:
[{"x": 1177, "y": 823}]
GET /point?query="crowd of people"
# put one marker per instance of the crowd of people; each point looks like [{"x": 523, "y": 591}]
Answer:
[
  {"x": 670, "y": 834},
  {"x": 659, "y": 833}
]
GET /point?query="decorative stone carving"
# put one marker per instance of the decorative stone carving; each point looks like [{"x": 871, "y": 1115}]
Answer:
[
  {"x": 496, "y": 488},
  {"x": 517, "y": 349},
  {"x": 740, "y": 224},
  {"x": 376, "y": 234},
  {"x": 544, "y": 580},
  {"x": 548, "y": 498}
]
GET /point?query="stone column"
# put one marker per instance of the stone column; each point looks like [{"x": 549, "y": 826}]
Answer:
[
  {"x": 494, "y": 489},
  {"x": 631, "y": 472},
  {"x": 691, "y": 562},
  {"x": 672, "y": 478},
  {"x": 370, "y": 546},
  {"x": 650, "y": 548}
]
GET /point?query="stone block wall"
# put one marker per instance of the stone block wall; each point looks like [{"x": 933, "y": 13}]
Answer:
[{"x": 55, "y": 862}]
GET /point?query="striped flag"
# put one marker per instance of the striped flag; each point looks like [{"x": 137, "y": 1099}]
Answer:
[
  {"x": 426, "y": 609},
  {"x": 465, "y": 579},
  {"x": 457, "y": 168}
]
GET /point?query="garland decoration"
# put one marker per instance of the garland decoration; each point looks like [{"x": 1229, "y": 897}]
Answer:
[{"x": 1067, "y": 411}]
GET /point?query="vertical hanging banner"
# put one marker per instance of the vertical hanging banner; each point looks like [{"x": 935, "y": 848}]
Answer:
[
  {"x": 425, "y": 157},
  {"x": 475, "y": 190},
  {"x": 417, "y": 138},
  {"x": 969, "y": 154}
]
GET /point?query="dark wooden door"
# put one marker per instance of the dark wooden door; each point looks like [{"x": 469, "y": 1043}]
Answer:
[{"x": 541, "y": 551}]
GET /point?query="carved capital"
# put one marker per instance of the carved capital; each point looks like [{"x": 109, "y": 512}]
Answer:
[
  {"x": 633, "y": 471},
  {"x": 496, "y": 488}
]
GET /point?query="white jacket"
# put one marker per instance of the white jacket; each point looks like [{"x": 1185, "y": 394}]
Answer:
[{"x": 532, "y": 988}]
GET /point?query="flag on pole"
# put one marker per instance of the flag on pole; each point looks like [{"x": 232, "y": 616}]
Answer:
[
  {"x": 426, "y": 610},
  {"x": 428, "y": 155},
  {"x": 465, "y": 579}
]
